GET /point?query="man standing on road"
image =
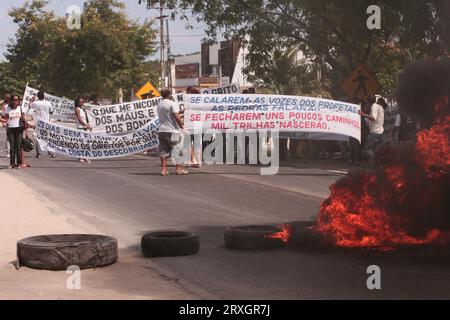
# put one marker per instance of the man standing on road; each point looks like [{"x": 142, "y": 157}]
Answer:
[
  {"x": 170, "y": 132},
  {"x": 3, "y": 107},
  {"x": 375, "y": 121},
  {"x": 41, "y": 110}
]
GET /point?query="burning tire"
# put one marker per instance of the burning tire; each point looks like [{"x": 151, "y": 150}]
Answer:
[
  {"x": 303, "y": 237},
  {"x": 252, "y": 238},
  {"x": 170, "y": 243},
  {"x": 57, "y": 252}
]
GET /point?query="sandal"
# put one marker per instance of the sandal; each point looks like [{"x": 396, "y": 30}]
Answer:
[
  {"x": 182, "y": 172},
  {"x": 164, "y": 174}
]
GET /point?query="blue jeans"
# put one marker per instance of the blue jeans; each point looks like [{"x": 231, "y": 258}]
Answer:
[{"x": 373, "y": 140}]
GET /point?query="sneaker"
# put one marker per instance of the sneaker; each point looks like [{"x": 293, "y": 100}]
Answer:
[{"x": 37, "y": 156}]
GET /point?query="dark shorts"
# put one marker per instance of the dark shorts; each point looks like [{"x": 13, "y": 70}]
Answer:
[{"x": 165, "y": 144}]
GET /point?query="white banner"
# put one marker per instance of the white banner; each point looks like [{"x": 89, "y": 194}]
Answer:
[
  {"x": 232, "y": 88},
  {"x": 86, "y": 145},
  {"x": 63, "y": 108},
  {"x": 115, "y": 119},
  {"x": 252, "y": 112},
  {"x": 123, "y": 118}
]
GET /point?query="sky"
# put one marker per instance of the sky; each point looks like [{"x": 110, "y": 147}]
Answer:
[{"x": 182, "y": 40}]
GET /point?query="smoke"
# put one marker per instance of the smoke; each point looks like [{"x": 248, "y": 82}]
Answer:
[
  {"x": 421, "y": 86},
  {"x": 404, "y": 201}
]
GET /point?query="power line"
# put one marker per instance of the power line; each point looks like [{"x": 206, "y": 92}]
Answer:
[{"x": 186, "y": 35}]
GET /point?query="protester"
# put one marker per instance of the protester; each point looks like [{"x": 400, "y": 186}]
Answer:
[
  {"x": 27, "y": 130},
  {"x": 12, "y": 117},
  {"x": 94, "y": 100},
  {"x": 375, "y": 121},
  {"x": 170, "y": 132},
  {"x": 82, "y": 120},
  {"x": 195, "y": 140},
  {"x": 41, "y": 109},
  {"x": 3, "y": 107}
]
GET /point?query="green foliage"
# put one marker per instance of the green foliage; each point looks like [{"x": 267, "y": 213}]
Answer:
[
  {"x": 9, "y": 83},
  {"x": 329, "y": 32},
  {"x": 108, "y": 52}
]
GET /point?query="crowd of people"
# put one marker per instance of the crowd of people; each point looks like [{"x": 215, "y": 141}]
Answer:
[{"x": 19, "y": 124}]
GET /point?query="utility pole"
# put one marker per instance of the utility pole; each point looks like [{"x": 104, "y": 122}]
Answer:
[
  {"x": 169, "y": 69},
  {"x": 162, "y": 46}
]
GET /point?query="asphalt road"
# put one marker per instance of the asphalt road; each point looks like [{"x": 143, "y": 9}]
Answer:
[{"x": 127, "y": 197}]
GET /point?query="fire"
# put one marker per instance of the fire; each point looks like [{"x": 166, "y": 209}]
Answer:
[
  {"x": 433, "y": 149},
  {"x": 283, "y": 235},
  {"x": 383, "y": 210}
]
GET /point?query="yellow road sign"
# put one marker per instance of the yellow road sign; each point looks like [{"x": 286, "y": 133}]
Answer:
[
  {"x": 361, "y": 84},
  {"x": 147, "y": 91}
]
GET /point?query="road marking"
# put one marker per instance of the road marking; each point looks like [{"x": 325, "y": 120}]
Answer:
[{"x": 338, "y": 171}]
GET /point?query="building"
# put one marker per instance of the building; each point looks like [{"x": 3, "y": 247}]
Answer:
[{"x": 224, "y": 61}]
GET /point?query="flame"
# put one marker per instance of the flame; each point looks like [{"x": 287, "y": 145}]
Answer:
[
  {"x": 433, "y": 149},
  {"x": 369, "y": 210},
  {"x": 283, "y": 235}
]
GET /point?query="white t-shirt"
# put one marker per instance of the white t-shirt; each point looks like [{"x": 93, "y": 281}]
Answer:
[
  {"x": 14, "y": 117},
  {"x": 166, "y": 109},
  {"x": 83, "y": 117},
  {"x": 41, "y": 109},
  {"x": 377, "y": 112}
]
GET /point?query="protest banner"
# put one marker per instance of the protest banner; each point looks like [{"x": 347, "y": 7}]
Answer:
[
  {"x": 226, "y": 89},
  {"x": 271, "y": 112},
  {"x": 125, "y": 117},
  {"x": 115, "y": 119},
  {"x": 86, "y": 145},
  {"x": 63, "y": 108}
]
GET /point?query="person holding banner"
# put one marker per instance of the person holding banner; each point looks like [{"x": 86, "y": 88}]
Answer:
[
  {"x": 170, "y": 132},
  {"x": 82, "y": 119},
  {"x": 41, "y": 109},
  {"x": 195, "y": 140}
]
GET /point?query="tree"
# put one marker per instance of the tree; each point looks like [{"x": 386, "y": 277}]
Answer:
[
  {"x": 108, "y": 52},
  {"x": 288, "y": 72},
  {"x": 9, "y": 82},
  {"x": 330, "y": 32}
]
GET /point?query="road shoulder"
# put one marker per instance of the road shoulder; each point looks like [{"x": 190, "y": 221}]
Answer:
[{"x": 26, "y": 213}]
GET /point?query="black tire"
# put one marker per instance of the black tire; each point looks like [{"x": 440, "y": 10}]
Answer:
[
  {"x": 57, "y": 252},
  {"x": 305, "y": 238},
  {"x": 169, "y": 244},
  {"x": 252, "y": 238}
]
